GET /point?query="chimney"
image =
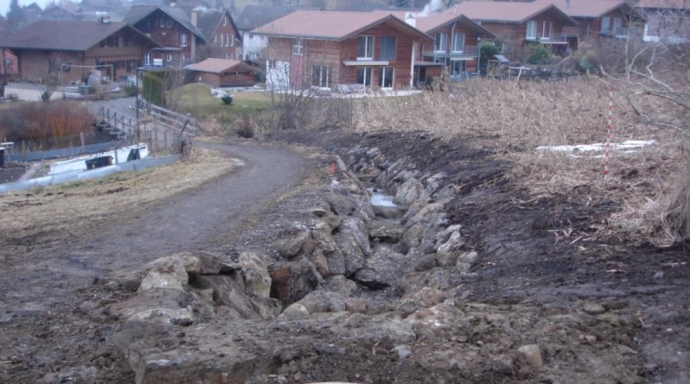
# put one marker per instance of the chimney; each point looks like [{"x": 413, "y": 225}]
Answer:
[
  {"x": 410, "y": 19},
  {"x": 194, "y": 18},
  {"x": 567, "y": 5}
]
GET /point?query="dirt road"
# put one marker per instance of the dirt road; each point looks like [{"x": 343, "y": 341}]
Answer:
[{"x": 39, "y": 291}]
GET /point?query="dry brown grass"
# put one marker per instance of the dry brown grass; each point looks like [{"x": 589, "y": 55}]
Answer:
[
  {"x": 513, "y": 119},
  {"x": 75, "y": 207}
]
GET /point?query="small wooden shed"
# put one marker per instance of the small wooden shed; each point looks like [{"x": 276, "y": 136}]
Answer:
[{"x": 223, "y": 73}]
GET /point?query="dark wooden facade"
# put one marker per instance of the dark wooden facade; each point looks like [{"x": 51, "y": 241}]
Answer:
[
  {"x": 589, "y": 29},
  {"x": 174, "y": 37}
]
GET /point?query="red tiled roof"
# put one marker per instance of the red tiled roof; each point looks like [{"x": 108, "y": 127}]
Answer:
[
  {"x": 212, "y": 65},
  {"x": 664, "y": 4},
  {"x": 589, "y": 8},
  {"x": 434, "y": 20},
  {"x": 331, "y": 25},
  {"x": 511, "y": 12}
]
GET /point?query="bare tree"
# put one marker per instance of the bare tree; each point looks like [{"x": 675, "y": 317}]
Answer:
[{"x": 659, "y": 69}]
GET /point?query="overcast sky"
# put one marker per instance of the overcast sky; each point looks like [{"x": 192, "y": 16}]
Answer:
[{"x": 5, "y": 4}]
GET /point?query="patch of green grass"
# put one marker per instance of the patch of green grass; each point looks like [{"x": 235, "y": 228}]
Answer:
[{"x": 197, "y": 100}]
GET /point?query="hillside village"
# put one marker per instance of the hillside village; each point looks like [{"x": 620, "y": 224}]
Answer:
[{"x": 381, "y": 47}]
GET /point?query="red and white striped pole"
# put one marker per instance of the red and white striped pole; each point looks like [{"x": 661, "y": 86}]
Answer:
[{"x": 608, "y": 135}]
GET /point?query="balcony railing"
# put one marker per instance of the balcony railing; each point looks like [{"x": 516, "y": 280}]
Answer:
[
  {"x": 616, "y": 32},
  {"x": 467, "y": 51}
]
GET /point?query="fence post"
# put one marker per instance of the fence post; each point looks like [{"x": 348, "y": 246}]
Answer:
[{"x": 83, "y": 143}]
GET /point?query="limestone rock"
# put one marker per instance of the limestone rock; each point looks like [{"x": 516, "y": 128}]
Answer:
[
  {"x": 353, "y": 243},
  {"x": 181, "y": 316},
  {"x": 468, "y": 257},
  {"x": 256, "y": 277},
  {"x": 409, "y": 192},
  {"x": 170, "y": 275},
  {"x": 295, "y": 244},
  {"x": 395, "y": 212},
  {"x": 532, "y": 353},
  {"x": 340, "y": 205},
  {"x": 434, "y": 183},
  {"x": 356, "y": 305},
  {"x": 323, "y": 301},
  {"x": 295, "y": 311},
  {"x": 382, "y": 269},
  {"x": 386, "y": 232},
  {"x": 593, "y": 309},
  {"x": 342, "y": 285},
  {"x": 293, "y": 280}
]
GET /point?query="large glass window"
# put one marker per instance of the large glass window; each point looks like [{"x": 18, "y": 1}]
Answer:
[
  {"x": 546, "y": 31},
  {"x": 386, "y": 77},
  {"x": 441, "y": 42},
  {"x": 297, "y": 47},
  {"x": 388, "y": 48},
  {"x": 531, "y": 30},
  {"x": 458, "y": 42},
  {"x": 364, "y": 76},
  {"x": 605, "y": 24},
  {"x": 321, "y": 76},
  {"x": 365, "y": 48}
]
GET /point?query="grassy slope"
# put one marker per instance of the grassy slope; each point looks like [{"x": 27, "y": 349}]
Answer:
[{"x": 197, "y": 100}]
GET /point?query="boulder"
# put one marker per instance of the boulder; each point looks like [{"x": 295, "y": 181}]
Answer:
[
  {"x": 409, "y": 192},
  {"x": 593, "y": 308},
  {"x": 340, "y": 205},
  {"x": 183, "y": 317},
  {"x": 171, "y": 275},
  {"x": 341, "y": 285},
  {"x": 443, "y": 236},
  {"x": 256, "y": 277},
  {"x": 296, "y": 243},
  {"x": 355, "y": 305},
  {"x": 293, "y": 280},
  {"x": 453, "y": 244},
  {"x": 386, "y": 232},
  {"x": 434, "y": 183},
  {"x": 296, "y": 311},
  {"x": 229, "y": 291},
  {"x": 394, "y": 212},
  {"x": 323, "y": 301},
  {"x": 468, "y": 257},
  {"x": 532, "y": 354},
  {"x": 353, "y": 243},
  {"x": 382, "y": 269},
  {"x": 182, "y": 265}
]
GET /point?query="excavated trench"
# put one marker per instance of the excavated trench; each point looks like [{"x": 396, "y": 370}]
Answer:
[{"x": 330, "y": 287}]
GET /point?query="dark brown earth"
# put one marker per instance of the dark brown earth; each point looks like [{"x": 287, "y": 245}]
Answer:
[
  {"x": 547, "y": 253},
  {"x": 540, "y": 261}
]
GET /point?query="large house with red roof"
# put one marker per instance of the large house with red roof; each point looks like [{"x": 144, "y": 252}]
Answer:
[
  {"x": 599, "y": 19},
  {"x": 344, "y": 51},
  {"x": 520, "y": 24},
  {"x": 454, "y": 49},
  {"x": 69, "y": 49},
  {"x": 666, "y": 20}
]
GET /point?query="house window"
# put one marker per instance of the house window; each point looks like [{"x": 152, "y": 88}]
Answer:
[
  {"x": 388, "y": 48},
  {"x": 169, "y": 57},
  {"x": 215, "y": 38},
  {"x": 227, "y": 40},
  {"x": 458, "y": 42},
  {"x": 225, "y": 20},
  {"x": 221, "y": 39},
  {"x": 546, "y": 31},
  {"x": 364, "y": 76},
  {"x": 531, "y": 30},
  {"x": 232, "y": 40},
  {"x": 102, "y": 43},
  {"x": 386, "y": 77},
  {"x": 125, "y": 41},
  {"x": 441, "y": 42},
  {"x": 183, "y": 40},
  {"x": 457, "y": 67},
  {"x": 321, "y": 76},
  {"x": 165, "y": 21},
  {"x": 365, "y": 48},
  {"x": 606, "y": 24},
  {"x": 297, "y": 47},
  {"x": 617, "y": 25},
  {"x": 147, "y": 59}
]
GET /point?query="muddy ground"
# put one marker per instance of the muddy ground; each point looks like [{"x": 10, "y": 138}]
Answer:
[{"x": 599, "y": 310}]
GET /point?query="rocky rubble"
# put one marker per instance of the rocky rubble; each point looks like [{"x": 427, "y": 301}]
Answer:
[{"x": 354, "y": 289}]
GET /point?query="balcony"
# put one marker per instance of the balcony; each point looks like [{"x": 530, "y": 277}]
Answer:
[
  {"x": 619, "y": 32},
  {"x": 468, "y": 52}
]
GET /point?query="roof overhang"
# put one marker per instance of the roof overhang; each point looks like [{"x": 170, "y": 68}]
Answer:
[
  {"x": 466, "y": 22},
  {"x": 365, "y": 63}
]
